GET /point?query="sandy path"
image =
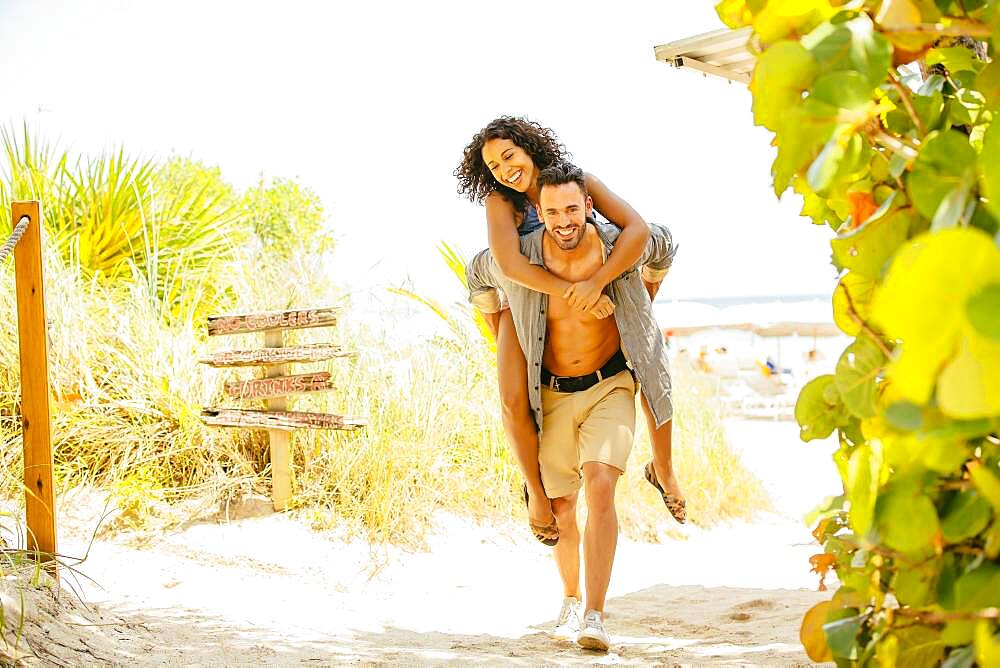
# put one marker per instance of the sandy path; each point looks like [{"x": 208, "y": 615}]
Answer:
[{"x": 268, "y": 590}]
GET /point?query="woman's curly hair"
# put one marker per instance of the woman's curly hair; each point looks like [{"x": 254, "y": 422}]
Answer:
[{"x": 476, "y": 181}]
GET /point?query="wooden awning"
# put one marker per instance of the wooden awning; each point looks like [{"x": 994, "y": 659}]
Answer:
[{"x": 721, "y": 53}]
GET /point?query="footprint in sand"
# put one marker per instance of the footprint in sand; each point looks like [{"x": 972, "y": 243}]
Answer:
[{"x": 743, "y": 611}]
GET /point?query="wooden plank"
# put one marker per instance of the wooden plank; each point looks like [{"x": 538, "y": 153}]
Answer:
[
  {"x": 279, "y": 442},
  {"x": 713, "y": 70},
  {"x": 275, "y": 320},
  {"x": 717, "y": 40},
  {"x": 284, "y": 420},
  {"x": 316, "y": 352},
  {"x": 35, "y": 410},
  {"x": 279, "y": 386}
]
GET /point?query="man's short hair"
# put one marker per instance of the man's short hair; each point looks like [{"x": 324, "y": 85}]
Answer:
[{"x": 561, "y": 173}]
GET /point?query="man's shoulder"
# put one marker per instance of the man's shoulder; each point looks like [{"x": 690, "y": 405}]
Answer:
[
  {"x": 608, "y": 232},
  {"x": 531, "y": 240}
]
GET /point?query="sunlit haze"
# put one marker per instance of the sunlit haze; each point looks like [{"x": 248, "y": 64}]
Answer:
[{"x": 370, "y": 105}]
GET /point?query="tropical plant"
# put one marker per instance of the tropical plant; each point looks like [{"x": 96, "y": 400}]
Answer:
[
  {"x": 283, "y": 213},
  {"x": 882, "y": 117},
  {"x": 456, "y": 264}
]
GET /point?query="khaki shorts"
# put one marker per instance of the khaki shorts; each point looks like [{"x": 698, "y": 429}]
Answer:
[{"x": 595, "y": 425}]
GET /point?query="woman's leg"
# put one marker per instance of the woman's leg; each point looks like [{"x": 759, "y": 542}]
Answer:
[
  {"x": 518, "y": 422},
  {"x": 663, "y": 462}
]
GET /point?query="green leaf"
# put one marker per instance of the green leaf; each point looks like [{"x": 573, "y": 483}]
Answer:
[
  {"x": 852, "y": 45},
  {"x": 824, "y": 168},
  {"x": 904, "y": 415},
  {"x": 866, "y": 250},
  {"x": 979, "y": 588},
  {"x": 987, "y": 482},
  {"x": 841, "y": 636},
  {"x": 919, "y": 647},
  {"x": 834, "y": 91},
  {"x": 944, "y": 162},
  {"x": 959, "y": 658},
  {"x": 945, "y": 456},
  {"x": 798, "y": 140},
  {"x": 989, "y": 166},
  {"x": 914, "y": 585},
  {"x": 818, "y": 409},
  {"x": 862, "y": 487},
  {"x": 966, "y": 107},
  {"x": 907, "y": 519},
  {"x": 988, "y": 83},
  {"x": 945, "y": 587},
  {"x": 954, "y": 58},
  {"x": 783, "y": 72},
  {"x": 857, "y": 370},
  {"x": 953, "y": 209},
  {"x": 966, "y": 514},
  {"x": 930, "y": 109},
  {"x": 983, "y": 311},
  {"x": 958, "y": 632}
]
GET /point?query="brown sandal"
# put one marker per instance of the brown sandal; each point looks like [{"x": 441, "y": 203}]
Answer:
[
  {"x": 542, "y": 532},
  {"x": 676, "y": 505}
]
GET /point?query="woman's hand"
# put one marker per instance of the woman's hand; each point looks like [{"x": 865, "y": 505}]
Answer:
[
  {"x": 584, "y": 295},
  {"x": 603, "y": 308}
]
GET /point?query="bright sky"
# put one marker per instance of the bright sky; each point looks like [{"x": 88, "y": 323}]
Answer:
[{"x": 371, "y": 103}]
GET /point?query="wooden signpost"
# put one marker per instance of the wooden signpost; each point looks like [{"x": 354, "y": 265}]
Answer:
[
  {"x": 276, "y": 385},
  {"x": 35, "y": 411}
]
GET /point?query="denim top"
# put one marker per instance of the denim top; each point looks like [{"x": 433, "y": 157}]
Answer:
[{"x": 530, "y": 221}]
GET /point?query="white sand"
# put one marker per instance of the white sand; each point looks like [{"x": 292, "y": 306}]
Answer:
[{"x": 268, "y": 590}]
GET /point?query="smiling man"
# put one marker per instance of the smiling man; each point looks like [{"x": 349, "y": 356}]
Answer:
[{"x": 580, "y": 375}]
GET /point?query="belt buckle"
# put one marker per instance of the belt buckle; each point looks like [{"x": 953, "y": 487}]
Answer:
[{"x": 555, "y": 384}]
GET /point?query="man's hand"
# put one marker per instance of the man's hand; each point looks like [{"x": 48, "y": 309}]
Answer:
[
  {"x": 603, "y": 308},
  {"x": 584, "y": 295}
]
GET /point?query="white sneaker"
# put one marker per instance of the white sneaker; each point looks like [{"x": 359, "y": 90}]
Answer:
[
  {"x": 593, "y": 635},
  {"x": 568, "y": 623}
]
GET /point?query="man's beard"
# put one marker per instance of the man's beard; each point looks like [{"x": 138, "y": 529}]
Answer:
[{"x": 567, "y": 244}]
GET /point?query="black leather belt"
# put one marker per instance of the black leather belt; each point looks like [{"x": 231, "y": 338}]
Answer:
[{"x": 613, "y": 366}]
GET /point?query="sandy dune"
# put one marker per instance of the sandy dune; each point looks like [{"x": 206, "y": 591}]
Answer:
[{"x": 268, "y": 590}]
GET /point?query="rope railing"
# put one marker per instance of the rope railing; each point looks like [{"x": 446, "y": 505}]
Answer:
[{"x": 15, "y": 236}]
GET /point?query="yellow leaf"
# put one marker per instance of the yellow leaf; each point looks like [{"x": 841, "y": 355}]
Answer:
[
  {"x": 898, "y": 14},
  {"x": 781, "y": 19},
  {"x": 969, "y": 387},
  {"x": 986, "y": 482},
  {"x": 811, "y": 632},
  {"x": 987, "y": 646},
  {"x": 922, "y": 303},
  {"x": 852, "y": 302},
  {"x": 734, "y": 13}
]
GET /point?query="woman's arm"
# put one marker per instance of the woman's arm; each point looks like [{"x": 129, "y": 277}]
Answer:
[
  {"x": 628, "y": 248},
  {"x": 506, "y": 249}
]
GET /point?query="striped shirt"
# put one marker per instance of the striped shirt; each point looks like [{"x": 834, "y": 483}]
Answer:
[{"x": 642, "y": 340}]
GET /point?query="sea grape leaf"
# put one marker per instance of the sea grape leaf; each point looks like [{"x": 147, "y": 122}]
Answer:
[
  {"x": 856, "y": 373},
  {"x": 945, "y": 160}
]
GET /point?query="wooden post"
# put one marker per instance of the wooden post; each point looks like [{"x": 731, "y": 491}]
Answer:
[
  {"x": 35, "y": 416},
  {"x": 279, "y": 441}
]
